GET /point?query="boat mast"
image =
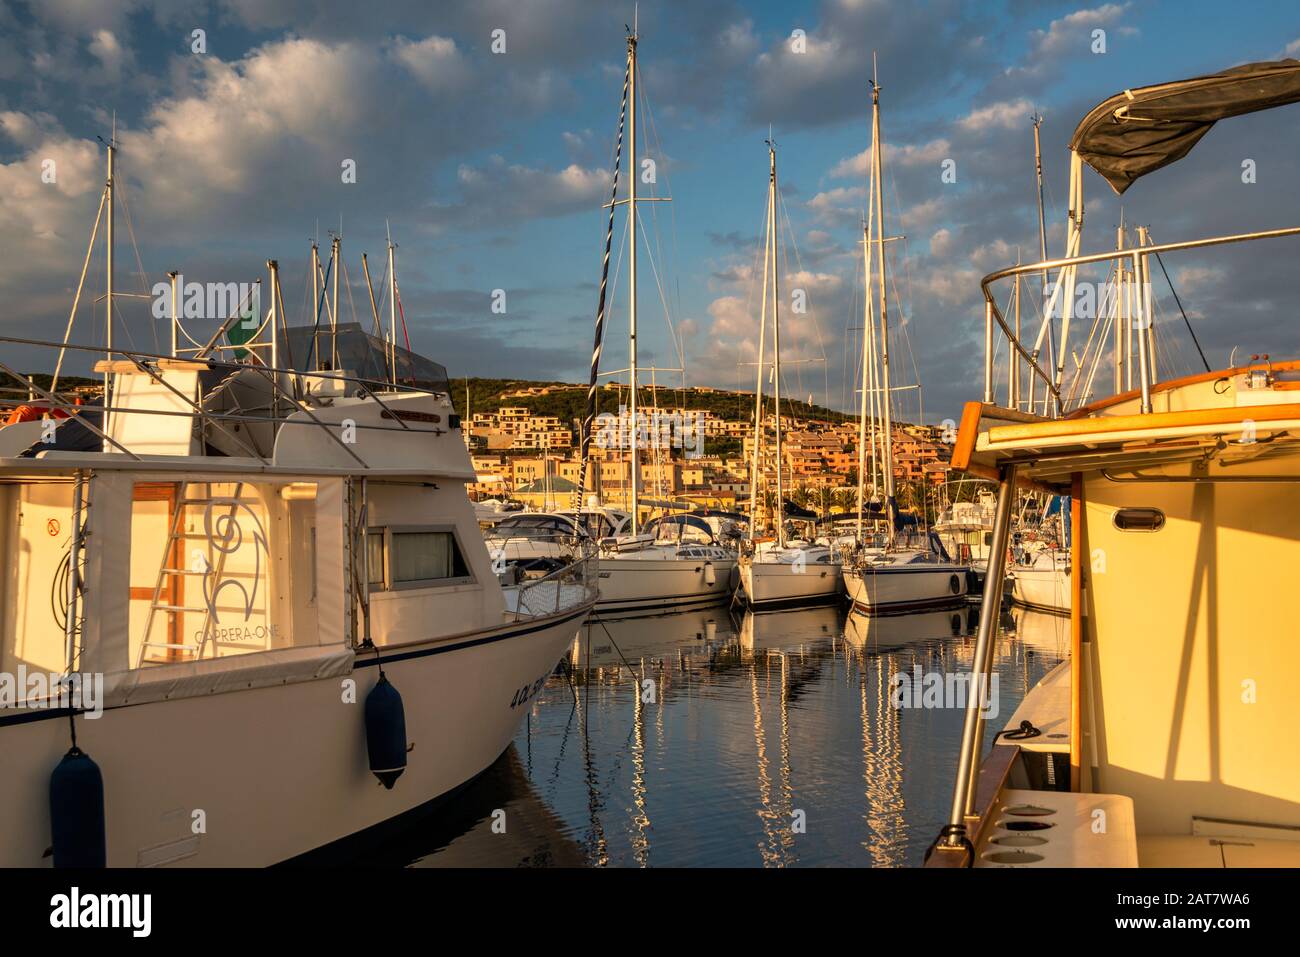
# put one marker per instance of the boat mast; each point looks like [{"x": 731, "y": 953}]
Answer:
[
  {"x": 776, "y": 341},
  {"x": 334, "y": 304},
  {"x": 631, "y": 261},
  {"x": 886, "y": 396},
  {"x": 108, "y": 283},
  {"x": 870, "y": 387},
  {"x": 315, "y": 302},
  {"x": 756, "y": 471},
  {"x": 392, "y": 305},
  {"x": 1042, "y": 252},
  {"x": 866, "y": 376}
]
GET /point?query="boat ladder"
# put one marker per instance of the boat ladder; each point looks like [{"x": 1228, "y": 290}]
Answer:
[{"x": 201, "y": 566}]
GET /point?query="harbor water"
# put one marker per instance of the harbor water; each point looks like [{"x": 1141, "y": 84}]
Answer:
[{"x": 806, "y": 737}]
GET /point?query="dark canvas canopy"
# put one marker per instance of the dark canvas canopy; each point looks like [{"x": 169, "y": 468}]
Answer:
[
  {"x": 1138, "y": 131},
  {"x": 792, "y": 510},
  {"x": 359, "y": 354}
]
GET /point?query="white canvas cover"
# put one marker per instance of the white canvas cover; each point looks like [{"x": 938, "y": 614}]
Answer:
[{"x": 333, "y": 548}]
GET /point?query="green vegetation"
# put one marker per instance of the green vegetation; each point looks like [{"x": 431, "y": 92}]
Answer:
[
  {"x": 569, "y": 402},
  {"x": 722, "y": 446}
]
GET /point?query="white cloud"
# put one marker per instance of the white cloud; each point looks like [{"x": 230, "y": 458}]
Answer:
[
  {"x": 838, "y": 205},
  {"x": 941, "y": 243},
  {"x": 917, "y": 216},
  {"x": 1007, "y": 115},
  {"x": 1072, "y": 33},
  {"x": 110, "y": 53},
  {"x": 434, "y": 61},
  {"x": 512, "y": 191},
  {"x": 908, "y": 154}
]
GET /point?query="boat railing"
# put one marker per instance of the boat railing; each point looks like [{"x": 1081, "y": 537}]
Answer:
[
  {"x": 997, "y": 329},
  {"x": 290, "y": 391},
  {"x": 576, "y": 583}
]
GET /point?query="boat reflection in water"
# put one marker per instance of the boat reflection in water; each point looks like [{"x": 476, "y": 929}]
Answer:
[
  {"x": 605, "y": 642},
  {"x": 882, "y": 633},
  {"x": 698, "y": 738},
  {"x": 1042, "y": 631},
  {"x": 779, "y": 629},
  {"x": 497, "y": 821}
]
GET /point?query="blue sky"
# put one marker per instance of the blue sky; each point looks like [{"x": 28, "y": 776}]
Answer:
[{"x": 492, "y": 168}]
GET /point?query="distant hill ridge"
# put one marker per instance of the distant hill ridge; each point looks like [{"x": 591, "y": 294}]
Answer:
[{"x": 569, "y": 400}]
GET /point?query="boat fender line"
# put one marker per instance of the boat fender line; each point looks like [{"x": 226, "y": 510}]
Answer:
[
  {"x": 1025, "y": 730},
  {"x": 710, "y": 576},
  {"x": 77, "y": 809},
  {"x": 385, "y": 719}
]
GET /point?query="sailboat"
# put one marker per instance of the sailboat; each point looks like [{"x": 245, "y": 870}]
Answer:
[
  {"x": 1163, "y": 740},
  {"x": 776, "y": 571},
  {"x": 251, "y": 582},
  {"x": 892, "y": 575},
  {"x": 673, "y": 562}
]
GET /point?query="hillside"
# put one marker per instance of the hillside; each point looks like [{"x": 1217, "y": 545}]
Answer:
[{"x": 569, "y": 401}]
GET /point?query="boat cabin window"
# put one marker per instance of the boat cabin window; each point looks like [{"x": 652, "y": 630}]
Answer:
[
  {"x": 1139, "y": 519},
  {"x": 220, "y": 568},
  {"x": 416, "y": 557}
]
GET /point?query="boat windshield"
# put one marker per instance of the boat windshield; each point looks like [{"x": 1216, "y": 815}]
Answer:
[
  {"x": 534, "y": 527},
  {"x": 595, "y": 524},
  {"x": 680, "y": 528}
]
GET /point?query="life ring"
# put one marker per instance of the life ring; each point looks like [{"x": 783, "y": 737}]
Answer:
[{"x": 30, "y": 413}]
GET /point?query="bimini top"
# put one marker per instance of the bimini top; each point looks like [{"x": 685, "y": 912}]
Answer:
[
  {"x": 359, "y": 354},
  {"x": 1139, "y": 131}
]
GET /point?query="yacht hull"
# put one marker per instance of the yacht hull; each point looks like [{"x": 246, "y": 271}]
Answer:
[
  {"x": 638, "y": 584},
  {"x": 905, "y": 587},
  {"x": 1043, "y": 589},
  {"x": 240, "y": 767},
  {"x": 776, "y": 584}
]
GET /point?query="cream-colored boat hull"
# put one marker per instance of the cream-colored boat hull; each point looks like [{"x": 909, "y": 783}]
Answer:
[{"x": 274, "y": 772}]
